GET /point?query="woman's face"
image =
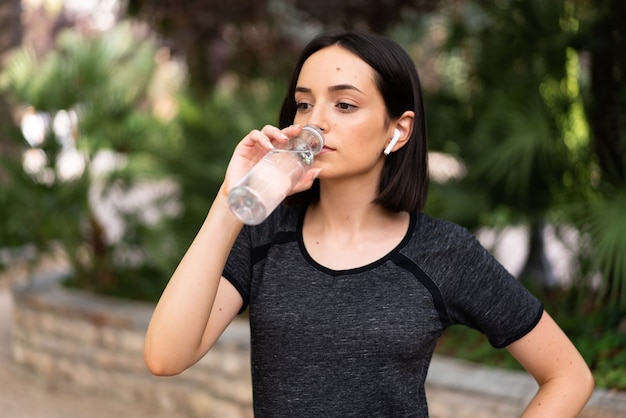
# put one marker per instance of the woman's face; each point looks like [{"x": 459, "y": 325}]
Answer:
[{"x": 336, "y": 91}]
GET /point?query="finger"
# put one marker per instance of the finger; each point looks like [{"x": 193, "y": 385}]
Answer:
[
  {"x": 315, "y": 172},
  {"x": 261, "y": 138},
  {"x": 276, "y": 135},
  {"x": 306, "y": 181},
  {"x": 281, "y": 136},
  {"x": 292, "y": 131}
]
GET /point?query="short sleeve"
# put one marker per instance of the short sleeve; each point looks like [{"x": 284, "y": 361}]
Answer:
[
  {"x": 480, "y": 293},
  {"x": 238, "y": 268},
  {"x": 250, "y": 247}
]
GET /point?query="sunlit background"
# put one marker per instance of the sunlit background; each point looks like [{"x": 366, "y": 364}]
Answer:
[{"x": 117, "y": 120}]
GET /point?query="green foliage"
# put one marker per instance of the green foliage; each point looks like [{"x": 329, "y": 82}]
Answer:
[
  {"x": 530, "y": 99},
  {"x": 521, "y": 100},
  {"x": 603, "y": 221},
  {"x": 210, "y": 128},
  {"x": 105, "y": 80},
  {"x": 458, "y": 202},
  {"x": 509, "y": 135},
  {"x": 102, "y": 83},
  {"x": 517, "y": 154},
  {"x": 81, "y": 69}
]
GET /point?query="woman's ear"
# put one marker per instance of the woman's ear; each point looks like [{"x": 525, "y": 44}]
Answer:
[
  {"x": 393, "y": 142},
  {"x": 401, "y": 132}
]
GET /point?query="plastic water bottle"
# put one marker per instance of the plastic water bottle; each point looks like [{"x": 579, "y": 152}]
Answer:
[{"x": 267, "y": 184}]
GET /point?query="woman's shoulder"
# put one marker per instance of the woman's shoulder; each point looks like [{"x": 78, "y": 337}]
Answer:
[
  {"x": 430, "y": 227},
  {"x": 438, "y": 239}
]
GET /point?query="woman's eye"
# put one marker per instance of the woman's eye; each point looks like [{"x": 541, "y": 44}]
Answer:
[
  {"x": 301, "y": 106},
  {"x": 346, "y": 106}
]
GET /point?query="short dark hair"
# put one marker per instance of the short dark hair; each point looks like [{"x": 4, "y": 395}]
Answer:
[{"x": 403, "y": 184}]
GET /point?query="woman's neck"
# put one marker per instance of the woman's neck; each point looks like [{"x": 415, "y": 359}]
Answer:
[
  {"x": 346, "y": 230},
  {"x": 347, "y": 203}
]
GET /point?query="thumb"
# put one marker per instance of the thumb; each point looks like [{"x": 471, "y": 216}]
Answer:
[
  {"x": 306, "y": 181},
  {"x": 316, "y": 173}
]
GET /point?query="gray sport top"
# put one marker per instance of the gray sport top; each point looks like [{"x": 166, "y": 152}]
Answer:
[{"x": 358, "y": 342}]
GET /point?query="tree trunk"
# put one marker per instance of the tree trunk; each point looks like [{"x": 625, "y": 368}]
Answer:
[
  {"x": 537, "y": 271},
  {"x": 10, "y": 37},
  {"x": 607, "y": 106}
]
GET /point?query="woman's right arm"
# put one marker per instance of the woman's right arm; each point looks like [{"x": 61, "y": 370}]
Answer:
[{"x": 198, "y": 303}]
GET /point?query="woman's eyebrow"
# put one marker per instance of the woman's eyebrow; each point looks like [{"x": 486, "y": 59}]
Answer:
[{"x": 337, "y": 87}]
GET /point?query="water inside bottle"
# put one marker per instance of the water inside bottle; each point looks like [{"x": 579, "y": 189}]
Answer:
[
  {"x": 265, "y": 187},
  {"x": 267, "y": 184},
  {"x": 247, "y": 205}
]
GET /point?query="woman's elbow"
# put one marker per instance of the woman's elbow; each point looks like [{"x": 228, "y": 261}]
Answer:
[
  {"x": 587, "y": 380},
  {"x": 159, "y": 365}
]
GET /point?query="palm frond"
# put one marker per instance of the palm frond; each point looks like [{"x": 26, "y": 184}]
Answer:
[
  {"x": 607, "y": 229},
  {"x": 19, "y": 74},
  {"x": 518, "y": 153}
]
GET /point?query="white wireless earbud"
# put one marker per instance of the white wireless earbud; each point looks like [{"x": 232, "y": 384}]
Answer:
[{"x": 392, "y": 143}]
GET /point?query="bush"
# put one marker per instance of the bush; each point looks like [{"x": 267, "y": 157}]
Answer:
[
  {"x": 88, "y": 141},
  {"x": 140, "y": 187}
]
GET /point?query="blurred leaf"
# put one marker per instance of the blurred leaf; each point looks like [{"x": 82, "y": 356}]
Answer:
[
  {"x": 607, "y": 227},
  {"x": 104, "y": 78}
]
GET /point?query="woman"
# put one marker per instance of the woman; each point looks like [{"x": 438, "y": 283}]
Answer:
[{"x": 349, "y": 285}]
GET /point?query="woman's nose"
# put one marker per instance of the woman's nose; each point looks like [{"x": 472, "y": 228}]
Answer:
[{"x": 318, "y": 118}]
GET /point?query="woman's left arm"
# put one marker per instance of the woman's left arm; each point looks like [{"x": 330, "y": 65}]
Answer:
[{"x": 565, "y": 381}]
